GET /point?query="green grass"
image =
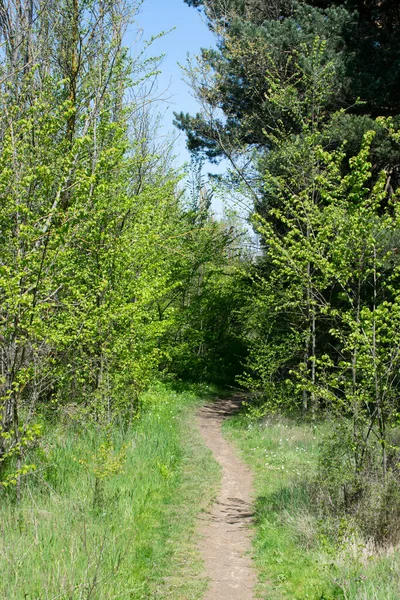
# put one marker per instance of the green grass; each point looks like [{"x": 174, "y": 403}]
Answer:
[
  {"x": 132, "y": 536},
  {"x": 296, "y": 552}
]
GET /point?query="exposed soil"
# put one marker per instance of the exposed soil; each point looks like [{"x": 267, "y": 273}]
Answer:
[{"x": 225, "y": 536}]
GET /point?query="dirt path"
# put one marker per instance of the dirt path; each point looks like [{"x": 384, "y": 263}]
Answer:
[{"x": 225, "y": 536}]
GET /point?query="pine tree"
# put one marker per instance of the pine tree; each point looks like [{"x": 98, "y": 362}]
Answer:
[{"x": 362, "y": 44}]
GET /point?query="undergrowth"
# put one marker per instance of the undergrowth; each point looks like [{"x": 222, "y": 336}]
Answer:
[
  {"x": 302, "y": 553},
  {"x": 111, "y": 515}
]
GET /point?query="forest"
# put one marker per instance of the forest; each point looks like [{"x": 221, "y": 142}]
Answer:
[{"x": 126, "y": 303}]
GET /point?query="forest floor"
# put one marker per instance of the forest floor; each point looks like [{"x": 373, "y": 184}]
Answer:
[
  {"x": 225, "y": 542},
  {"x": 136, "y": 538},
  {"x": 299, "y": 552},
  {"x": 201, "y": 489}
]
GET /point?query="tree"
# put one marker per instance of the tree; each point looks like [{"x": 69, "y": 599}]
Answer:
[
  {"x": 361, "y": 44},
  {"x": 82, "y": 260},
  {"x": 205, "y": 341}
]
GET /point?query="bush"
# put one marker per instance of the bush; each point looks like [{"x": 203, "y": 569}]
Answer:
[{"x": 349, "y": 484}]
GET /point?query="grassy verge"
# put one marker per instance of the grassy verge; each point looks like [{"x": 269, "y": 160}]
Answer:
[
  {"x": 111, "y": 517},
  {"x": 301, "y": 555}
]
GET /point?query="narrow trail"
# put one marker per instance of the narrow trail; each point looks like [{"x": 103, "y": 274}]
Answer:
[{"x": 225, "y": 537}]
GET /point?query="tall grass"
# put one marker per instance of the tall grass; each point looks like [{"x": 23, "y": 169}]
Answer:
[
  {"x": 117, "y": 527},
  {"x": 301, "y": 553}
]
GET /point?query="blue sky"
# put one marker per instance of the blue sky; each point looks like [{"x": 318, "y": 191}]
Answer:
[{"x": 189, "y": 35}]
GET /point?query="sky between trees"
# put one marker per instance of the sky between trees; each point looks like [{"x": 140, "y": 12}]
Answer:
[{"x": 186, "y": 32}]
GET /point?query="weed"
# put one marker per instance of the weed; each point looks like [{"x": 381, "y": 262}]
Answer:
[
  {"x": 301, "y": 552},
  {"x": 111, "y": 516}
]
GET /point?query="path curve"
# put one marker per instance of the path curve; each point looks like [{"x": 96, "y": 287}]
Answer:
[{"x": 225, "y": 536}]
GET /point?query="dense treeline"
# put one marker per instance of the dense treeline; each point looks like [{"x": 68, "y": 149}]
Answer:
[
  {"x": 104, "y": 267},
  {"x": 112, "y": 276},
  {"x": 302, "y": 99}
]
